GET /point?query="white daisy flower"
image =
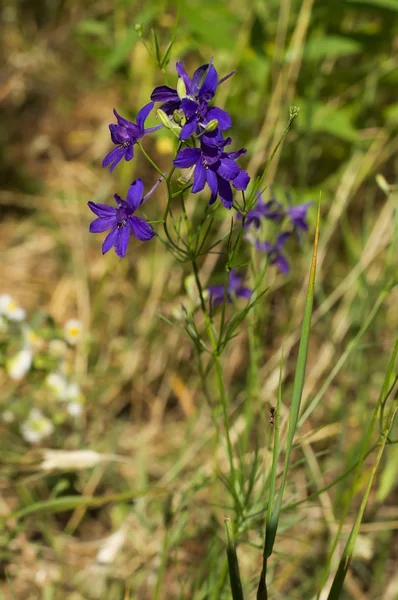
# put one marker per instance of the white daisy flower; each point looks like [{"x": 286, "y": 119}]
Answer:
[
  {"x": 74, "y": 409},
  {"x": 58, "y": 385},
  {"x": 20, "y": 364},
  {"x": 36, "y": 427},
  {"x": 73, "y": 331},
  {"x": 10, "y": 308}
]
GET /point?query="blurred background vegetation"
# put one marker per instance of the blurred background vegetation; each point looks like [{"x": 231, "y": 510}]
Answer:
[{"x": 65, "y": 66}]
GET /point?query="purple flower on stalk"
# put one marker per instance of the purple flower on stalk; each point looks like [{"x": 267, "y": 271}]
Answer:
[
  {"x": 194, "y": 102},
  {"x": 274, "y": 251},
  {"x": 214, "y": 167},
  {"x": 235, "y": 288},
  {"x": 125, "y": 134},
  {"x": 272, "y": 210},
  {"x": 298, "y": 216},
  {"x": 121, "y": 220}
]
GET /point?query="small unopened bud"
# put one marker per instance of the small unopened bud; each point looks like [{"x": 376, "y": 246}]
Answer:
[
  {"x": 293, "y": 112},
  {"x": 177, "y": 117},
  {"x": 163, "y": 118},
  {"x": 138, "y": 27},
  {"x": 181, "y": 89},
  {"x": 211, "y": 125}
]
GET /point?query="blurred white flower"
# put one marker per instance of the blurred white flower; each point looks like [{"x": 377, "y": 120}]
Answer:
[
  {"x": 20, "y": 363},
  {"x": 74, "y": 409},
  {"x": 8, "y": 416},
  {"x": 73, "y": 331},
  {"x": 10, "y": 309},
  {"x": 57, "y": 348},
  {"x": 58, "y": 385},
  {"x": 36, "y": 427}
]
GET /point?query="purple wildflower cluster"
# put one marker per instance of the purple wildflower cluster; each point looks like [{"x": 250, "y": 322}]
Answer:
[
  {"x": 201, "y": 128},
  {"x": 296, "y": 218}
]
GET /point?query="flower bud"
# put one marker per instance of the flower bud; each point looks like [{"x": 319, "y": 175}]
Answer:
[
  {"x": 177, "y": 117},
  {"x": 211, "y": 125},
  {"x": 181, "y": 89},
  {"x": 293, "y": 112},
  {"x": 163, "y": 118}
]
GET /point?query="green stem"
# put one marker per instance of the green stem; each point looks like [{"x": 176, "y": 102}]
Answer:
[{"x": 219, "y": 371}]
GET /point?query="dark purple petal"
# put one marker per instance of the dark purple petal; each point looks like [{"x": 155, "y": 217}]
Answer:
[
  {"x": 152, "y": 129},
  {"x": 120, "y": 135},
  {"x": 119, "y": 201},
  {"x": 141, "y": 229},
  {"x": 226, "y": 77},
  {"x": 223, "y": 118},
  {"x": 164, "y": 93},
  {"x": 110, "y": 240},
  {"x": 102, "y": 210},
  {"x": 228, "y": 169},
  {"x": 186, "y": 158},
  {"x": 181, "y": 72},
  {"x": 122, "y": 241},
  {"x": 114, "y": 157},
  {"x": 189, "y": 107},
  {"x": 244, "y": 292},
  {"x": 188, "y": 130},
  {"x": 199, "y": 178},
  {"x": 209, "y": 85},
  {"x": 217, "y": 294},
  {"x": 237, "y": 153},
  {"x": 282, "y": 239},
  {"x": 197, "y": 78},
  {"x": 282, "y": 264},
  {"x": 212, "y": 182},
  {"x": 234, "y": 281},
  {"x": 102, "y": 224},
  {"x": 143, "y": 114},
  {"x": 121, "y": 120},
  {"x": 263, "y": 246},
  {"x": 210, "y": 153},
  {"x": 171, "y": 106},
  {"x": 134, "y": 194},
  {"x": 225, "y": 192},
  {"x": 129, "y": 153},
  {"x": 241, "y": 181}
]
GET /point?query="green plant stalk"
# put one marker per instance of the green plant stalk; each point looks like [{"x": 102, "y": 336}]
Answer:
[
  {"x": 350, "y": 347},
  {"x": 234, "y": 575},
  {"x": 345, "y": 561},
  {"x": 219, "y": 372},
  {"x": 363, "y": 454},
  {"x": 273, "y": 520},
  {"x": 162, "y": 566}
]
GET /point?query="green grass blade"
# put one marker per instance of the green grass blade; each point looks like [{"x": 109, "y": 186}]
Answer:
[
  {"x": 297, "y": 393},
  {"x": 363, "y": 455},
  {"x": 236, "y": 585},
  {"x": 345, "y": 561}
]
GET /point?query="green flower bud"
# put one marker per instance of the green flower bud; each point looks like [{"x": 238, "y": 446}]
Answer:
[
  {"x": 177, "y": 117},
  {"x": 163, "y": 118},
  {"x": 211, "y": 125},
  {"x": 181, "y": 89}
]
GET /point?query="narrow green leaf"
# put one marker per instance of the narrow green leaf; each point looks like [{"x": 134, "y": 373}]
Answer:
[
  {"x": 345, "y": 561},
  {"x": 234, "y": 575}
]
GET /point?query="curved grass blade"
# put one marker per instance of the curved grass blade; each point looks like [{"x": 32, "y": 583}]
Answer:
[
  {"x": 234, "y": 575},
  {"x": 273, "y": 519}
]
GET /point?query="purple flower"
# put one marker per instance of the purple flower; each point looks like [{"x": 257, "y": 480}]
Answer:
[
  {"x": 274, "y": 251},
  {"x": 121, "y": 220},
  {"x": 298, "y": 215},
  {"x": 272, "y": 210},
  {"x": 235, "y": 288},
  {"x": 195, "y": 104},
  {"x": 125, "y": 134},
  {"x": 215, "y": 167}
]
